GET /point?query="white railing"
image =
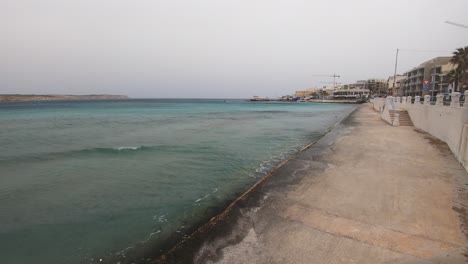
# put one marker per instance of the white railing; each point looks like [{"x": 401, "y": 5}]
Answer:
[{"x": 454, "y": 99}]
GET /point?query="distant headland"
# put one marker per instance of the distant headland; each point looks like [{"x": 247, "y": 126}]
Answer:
[{"x": 56, "y": 97}]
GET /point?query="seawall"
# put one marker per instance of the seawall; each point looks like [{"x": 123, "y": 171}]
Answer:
[
  {"x": 448, "y": 123},
  {"x": 230, "y": 223},
  {"x": 361, "y": 194}
]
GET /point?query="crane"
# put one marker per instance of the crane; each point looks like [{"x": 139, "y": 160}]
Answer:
[
  {"x": 334, "y": 83},
  {"x": 324, "y": 75}
]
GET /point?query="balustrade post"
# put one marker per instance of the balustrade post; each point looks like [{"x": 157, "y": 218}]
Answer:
[
  {"x": 440, "y": 100},
  {"x": 427, "y": 99},
  {"x": 455, "y": 96},
  {"x": 465, "y": 104}
]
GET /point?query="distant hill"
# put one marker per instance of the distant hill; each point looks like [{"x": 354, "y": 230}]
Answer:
[{"x": 56, "y": 97}]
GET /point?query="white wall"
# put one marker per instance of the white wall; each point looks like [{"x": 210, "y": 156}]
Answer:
[
  {"x": 382, "y": 105},
  {"x": 447, "y": 123}
]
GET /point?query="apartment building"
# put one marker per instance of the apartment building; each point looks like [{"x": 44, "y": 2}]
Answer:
[
  {"x": 440, "y": 82},
  {"x": 360, "y": 84},
  {"x": 394, "y": 84},
  {"x": 413, "y": 84},
  {"x": 377, "y": 86}
]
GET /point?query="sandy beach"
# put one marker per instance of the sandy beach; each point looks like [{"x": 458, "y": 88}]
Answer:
[{"x": 365, "y": 193}]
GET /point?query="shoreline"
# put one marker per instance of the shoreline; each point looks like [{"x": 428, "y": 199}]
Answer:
[
  {"x": 58, "y": 97},
  {"x": 321, "y": 101},
  {"x": 180, "y": 252},
  {"x": 338, "y": 202}
]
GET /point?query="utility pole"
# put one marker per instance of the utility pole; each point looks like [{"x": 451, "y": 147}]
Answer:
[{"x": 394, "y": 74}]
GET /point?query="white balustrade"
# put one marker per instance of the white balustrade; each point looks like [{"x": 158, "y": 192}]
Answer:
[
  {"x": 440, "y": 100},
  {"x": 427, "y": 99},
  {"x": 465, "y": 104},
  {"x": 417, "y": 100},
  {"x": 455, "y": 99}
]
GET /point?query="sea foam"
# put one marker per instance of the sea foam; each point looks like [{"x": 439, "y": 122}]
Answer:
[{"x": 127, "y": 148}]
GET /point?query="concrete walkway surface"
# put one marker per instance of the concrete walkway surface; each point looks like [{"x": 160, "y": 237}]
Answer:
[{"x": 365, "y": 193}]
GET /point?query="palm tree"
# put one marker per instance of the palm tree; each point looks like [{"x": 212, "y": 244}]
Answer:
[
  {"x": 454, "y": 76},
  {"x": 460, "y": 60}
]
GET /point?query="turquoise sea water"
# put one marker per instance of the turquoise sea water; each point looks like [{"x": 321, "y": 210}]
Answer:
[{"x": 122, "y": 180}]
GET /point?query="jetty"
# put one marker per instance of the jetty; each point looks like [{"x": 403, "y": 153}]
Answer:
[{"x": 367, "y": 192}]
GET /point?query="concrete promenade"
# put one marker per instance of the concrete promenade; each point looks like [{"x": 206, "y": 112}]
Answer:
[{"x": 365, "y": 193}]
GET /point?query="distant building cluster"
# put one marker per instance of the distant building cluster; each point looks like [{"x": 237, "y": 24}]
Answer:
[{"x": 429, "y": 78}]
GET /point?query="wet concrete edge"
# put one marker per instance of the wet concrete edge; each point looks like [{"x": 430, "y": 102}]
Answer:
[{"x": 227, "y": 224}]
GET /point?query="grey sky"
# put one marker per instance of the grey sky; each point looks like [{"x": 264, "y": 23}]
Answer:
[{"x": 215, "y": 48}]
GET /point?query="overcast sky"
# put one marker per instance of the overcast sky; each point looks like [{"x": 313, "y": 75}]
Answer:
[{"x": 215, "y": 48}]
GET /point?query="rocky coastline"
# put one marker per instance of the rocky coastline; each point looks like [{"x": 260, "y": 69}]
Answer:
[{"x": 57, "y": 97}]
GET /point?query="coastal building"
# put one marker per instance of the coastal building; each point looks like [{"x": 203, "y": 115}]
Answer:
[
  {"x": 440, "y": 82},
  {"x": 422, "y": 75},
  {"x": 304, "y": 93},
  {"x": 393, "y": 84},
  {"x": 377, "y": 86},
  {"x": 360, "y": 84},
  {"x": 330, "y": 89},
  {"x": 350, "y": 93}
]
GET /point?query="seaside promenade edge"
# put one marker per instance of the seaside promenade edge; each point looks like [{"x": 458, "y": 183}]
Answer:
[{"x": 365, "y": 193}]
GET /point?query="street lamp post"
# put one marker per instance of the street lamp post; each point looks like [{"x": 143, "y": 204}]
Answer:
[{"x": 456, "y": 24}]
